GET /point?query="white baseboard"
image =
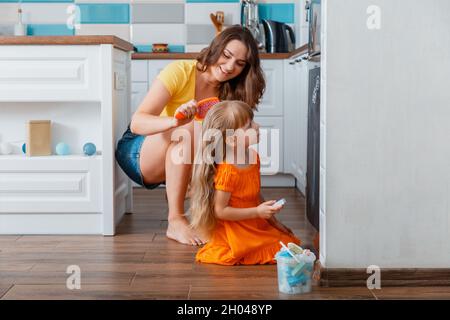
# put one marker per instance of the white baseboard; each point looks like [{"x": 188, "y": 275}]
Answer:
[
  {"x": 278, "y": 180},
  {"x": 38, "y": 223},
  {"x": 301, "y": 187}
]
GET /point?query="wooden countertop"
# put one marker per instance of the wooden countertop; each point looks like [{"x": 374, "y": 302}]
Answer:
[
  {"x": 122, "y": 45},
  {"x": 66, "y": 40},
  {"x": 193, "y": 55}
]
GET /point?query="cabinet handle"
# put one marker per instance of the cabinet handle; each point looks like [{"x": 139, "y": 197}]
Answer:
[{"x": 292, "y": 62}]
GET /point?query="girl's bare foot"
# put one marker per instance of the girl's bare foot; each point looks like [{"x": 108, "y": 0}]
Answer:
[{"x": 179, "y": 230}]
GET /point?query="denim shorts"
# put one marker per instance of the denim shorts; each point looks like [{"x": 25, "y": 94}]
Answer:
[{"x": 128, "y": 152}]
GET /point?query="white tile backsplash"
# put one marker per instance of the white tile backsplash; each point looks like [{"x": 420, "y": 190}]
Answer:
[
  {"x": 156, "y": 1},
  {"x": 196, "y": 47},
  {"x": 198, "y": 13},
  {"x": 45, "y": 13},
  {"x": 118, "y": 30},
  {"x": 158, "y": 33},
  {"x": 278, "y": 1},
  {"x": 102, "y": 1},
  {"x": 174, "y": 33},
  {"x": 8, "y": 13}
]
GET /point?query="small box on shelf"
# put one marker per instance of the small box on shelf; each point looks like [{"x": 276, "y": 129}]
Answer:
[{"x": 39, "y": 138}]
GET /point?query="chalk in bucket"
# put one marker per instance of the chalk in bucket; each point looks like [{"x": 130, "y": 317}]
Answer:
[{"x": 295, "y": 268}]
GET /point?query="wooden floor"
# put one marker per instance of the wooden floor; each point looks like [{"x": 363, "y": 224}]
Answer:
[{"x": 141, "y": 263}]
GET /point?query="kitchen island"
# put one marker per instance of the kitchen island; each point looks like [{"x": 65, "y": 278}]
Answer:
[{"x": 81, "y": 84}]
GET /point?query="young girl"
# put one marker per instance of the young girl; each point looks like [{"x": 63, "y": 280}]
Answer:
[{"x": 226, "y": 202}]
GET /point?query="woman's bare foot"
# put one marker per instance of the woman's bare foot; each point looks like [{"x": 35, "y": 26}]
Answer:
[{"x": 179, "y": 230}]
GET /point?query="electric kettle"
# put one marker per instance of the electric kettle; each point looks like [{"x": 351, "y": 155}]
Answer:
[{"x": 279, "y": 36}]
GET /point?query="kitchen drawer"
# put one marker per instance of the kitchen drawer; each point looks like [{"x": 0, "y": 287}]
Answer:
[
  {"x": 270, "y": 147},
  {"x": 139, "y": 71},
  {"x": 50, "y": 73},
  {"x": 272, "y": 101},
  {"x": 53, "y": 184}
]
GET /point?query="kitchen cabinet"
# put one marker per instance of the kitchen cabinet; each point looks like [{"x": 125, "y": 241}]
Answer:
[
  {"x": 84, "y": 91},
  {"x": 143, "y": 74},
  {"x": 138, "y": 92},
  {"x": 139, "y": 71},
  {"x": 270, "y": 147},
  {"x": 154, "y": 68},
  {"x": 273, "y": 99},
  {"x": 270, "y": 118},
  {"x": 139, "y": 85},
  {"x": 296, "y": 119}
]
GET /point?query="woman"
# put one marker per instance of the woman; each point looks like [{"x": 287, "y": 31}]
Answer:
[{"x": 229, "y": 69}]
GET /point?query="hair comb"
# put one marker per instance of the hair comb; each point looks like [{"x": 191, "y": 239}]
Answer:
[{"x": 203, "y": 107}]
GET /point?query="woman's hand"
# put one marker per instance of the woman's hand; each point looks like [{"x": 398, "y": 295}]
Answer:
[
  {"x": 189, "y": 109},
  {"x": 266, "y": 211},
  {"x": 278, "y": 225}
]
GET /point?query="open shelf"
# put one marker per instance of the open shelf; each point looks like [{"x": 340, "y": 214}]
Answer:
[
  {"x": 81, "y": 157},
  {"x": 71, "y": 122}
]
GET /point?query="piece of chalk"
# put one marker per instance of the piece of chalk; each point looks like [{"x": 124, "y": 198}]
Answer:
[
  {"x": 280, "y": 202},
  {"x": 293, "y": 281},
  {"x": 295, "y": 248},
  {"x": 298, "y": 268}
]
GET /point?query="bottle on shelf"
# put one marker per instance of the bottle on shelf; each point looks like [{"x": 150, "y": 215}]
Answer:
[{"x": 20, "y": 28}]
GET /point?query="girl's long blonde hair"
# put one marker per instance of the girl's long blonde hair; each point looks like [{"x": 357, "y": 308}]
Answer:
[{"x": 224, "y": 115}]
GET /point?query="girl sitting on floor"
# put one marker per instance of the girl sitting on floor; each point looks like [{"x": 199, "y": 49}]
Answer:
[{"x": 226, "y": 203}]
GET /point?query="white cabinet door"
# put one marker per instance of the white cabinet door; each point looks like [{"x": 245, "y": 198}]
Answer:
[
  {"x": 296, "y": 120},
  {"x": 143, "y": 74},
  {"x": 289, "y": 120},
  {"x": 270, "y": 147},
  {"x": 272, "y": 101},
  {"x": 139, "y": 71},
  {"x": 301, "y": 115},
  {"x": 138, "y": 93},
  {"x": 155, "y": 67}
]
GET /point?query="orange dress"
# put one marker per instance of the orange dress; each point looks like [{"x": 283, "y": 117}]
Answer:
[{"x": 243, "y": 242}]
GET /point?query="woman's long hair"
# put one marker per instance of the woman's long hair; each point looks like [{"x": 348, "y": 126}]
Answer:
[
  {"x": 224, "y": 115},
  {"x": 249, "y": 85}
]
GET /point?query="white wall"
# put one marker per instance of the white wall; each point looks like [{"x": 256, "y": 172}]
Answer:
[{"x": 387, "y": 102}]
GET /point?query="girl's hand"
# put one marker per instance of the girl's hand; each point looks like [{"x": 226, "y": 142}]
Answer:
[
  {"x": 266, "y": 211},
  {"x": 189, "y": 109},
  {"x": 278, "y": 225}
]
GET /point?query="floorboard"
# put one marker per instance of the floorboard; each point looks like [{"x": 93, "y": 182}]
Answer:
[{"x": 140, "y": 262}]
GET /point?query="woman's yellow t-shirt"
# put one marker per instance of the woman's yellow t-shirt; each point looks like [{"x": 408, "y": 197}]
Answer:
[{"x": 179, "y": 79}]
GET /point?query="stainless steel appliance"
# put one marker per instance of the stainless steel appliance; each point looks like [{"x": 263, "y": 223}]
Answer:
[
  {"x": 313, "y": 149},
  {"x": 313, "y": 144},
  {"x": 279, "y": 36},
  {"x": 250, "y": 20}
]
